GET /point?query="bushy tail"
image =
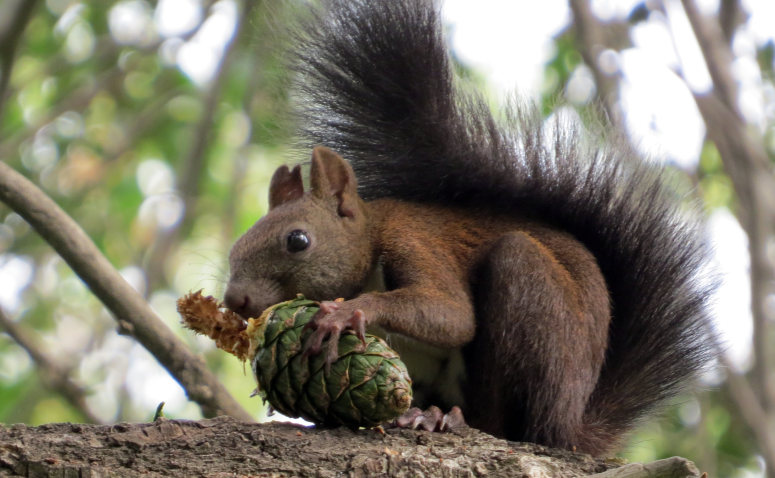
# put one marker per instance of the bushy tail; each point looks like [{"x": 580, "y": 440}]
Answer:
[{"x": 377, "y": 85}]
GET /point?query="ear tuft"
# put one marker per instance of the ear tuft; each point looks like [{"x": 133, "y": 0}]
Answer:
[{"x": 286, "y": 186}]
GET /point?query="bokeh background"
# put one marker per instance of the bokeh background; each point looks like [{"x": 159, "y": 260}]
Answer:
[{"x": 157, "y": 125}]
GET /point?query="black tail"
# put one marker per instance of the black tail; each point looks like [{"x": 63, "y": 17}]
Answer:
[{"x": 377, "y": 86}]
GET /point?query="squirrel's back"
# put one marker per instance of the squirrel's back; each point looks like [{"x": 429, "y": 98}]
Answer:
[{"x": 377, "y": 85}]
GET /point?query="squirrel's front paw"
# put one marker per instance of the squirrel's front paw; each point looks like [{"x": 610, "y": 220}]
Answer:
[{"x": 332, "y": 319}]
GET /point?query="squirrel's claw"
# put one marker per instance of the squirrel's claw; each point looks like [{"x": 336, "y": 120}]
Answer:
[
  {"x": 454, "y": 419},
  {"x": 314, "y": 342},
  {"x": 357, "y": 323},
  {"x": 431, "y": 420},
  {"x": 328, "y": 324}
]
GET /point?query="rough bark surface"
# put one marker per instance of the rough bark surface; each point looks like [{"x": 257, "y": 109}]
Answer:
[{"x": 224, "y": 447}]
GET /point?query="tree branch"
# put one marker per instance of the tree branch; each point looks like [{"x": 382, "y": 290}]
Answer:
[
  {"x": 717, "y": 54},
  {"x": 592, "y": 42},
  {"x": 750, "y": 410},
  {"x": 52, "y": 374},
  {"x": 730, "y": 17},
  {"x": 133, "y": 314},
  {"x": 748, "y": 166},
  {"x": 227, "y": 447},
  {"x": 675, "y": 467},
  {"x": 9, "y": 42}
]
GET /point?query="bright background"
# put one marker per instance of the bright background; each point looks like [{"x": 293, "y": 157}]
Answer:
[{"x": 108, "y": 102}]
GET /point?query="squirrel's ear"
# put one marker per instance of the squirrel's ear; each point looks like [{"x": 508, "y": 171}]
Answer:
[
  {"x": 285, "y": 186},
  {"x": 330, "y": 176}
]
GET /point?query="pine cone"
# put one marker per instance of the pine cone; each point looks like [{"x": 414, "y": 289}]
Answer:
[
  {"x": 206, "y": 316},
  {"x": 366, "y": 385}
]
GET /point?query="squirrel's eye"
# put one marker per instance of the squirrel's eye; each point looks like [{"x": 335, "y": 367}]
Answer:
[{"x": 297, "y": 241}]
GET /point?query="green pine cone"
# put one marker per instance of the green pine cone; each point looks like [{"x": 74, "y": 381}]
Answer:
[{"x": 365, "y": 386}]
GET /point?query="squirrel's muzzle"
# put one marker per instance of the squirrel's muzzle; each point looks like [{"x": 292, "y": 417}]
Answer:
[{"x": 250, "y": 298}]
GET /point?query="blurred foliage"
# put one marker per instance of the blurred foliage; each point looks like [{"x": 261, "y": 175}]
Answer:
[
  {"x": 105, "y": 122},
  {"x": 559, "y": 69},
  {"x": 104, "y": 119}
]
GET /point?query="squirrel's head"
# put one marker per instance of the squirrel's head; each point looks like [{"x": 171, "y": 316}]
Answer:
[{"x": 315, "y": 243}]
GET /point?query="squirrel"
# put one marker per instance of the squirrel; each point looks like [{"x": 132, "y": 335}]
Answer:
[{"x": 562, "y": 275}]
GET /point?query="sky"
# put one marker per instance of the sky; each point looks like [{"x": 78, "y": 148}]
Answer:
[{"x": 509, "y": 42}]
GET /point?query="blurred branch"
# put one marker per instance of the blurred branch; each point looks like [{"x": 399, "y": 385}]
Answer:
[
  {"x": 718, "y": 56},
  {"x": 52, "y": 374},
  {"x": 141, "y": 123},
  {"x": 674, "y": 467},
  {"x": 730, "y": 17},
  {"x": 193, "y": 165},
  {"x": 750, "y": 410},
  {"x": 75, "y": 101},
  {"x": 78, "y": 99},
  {"x": 592, "y": 42},
  {"x": 9, "y": 42},
  {"x": 106, "y": 56},
  {"x": 748, "y": 166},
  {"x": 133, "y": 314},
  {"x": 745, "y": 161}
]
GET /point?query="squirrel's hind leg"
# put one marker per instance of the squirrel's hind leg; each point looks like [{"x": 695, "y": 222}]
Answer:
[{"x": 540, "y": 339}]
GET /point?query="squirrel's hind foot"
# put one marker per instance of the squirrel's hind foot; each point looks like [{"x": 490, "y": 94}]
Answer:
[{"x": 431, "y": 420}]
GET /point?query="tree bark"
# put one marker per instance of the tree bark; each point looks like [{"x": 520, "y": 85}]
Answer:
[{"x": 224, "y": 447}]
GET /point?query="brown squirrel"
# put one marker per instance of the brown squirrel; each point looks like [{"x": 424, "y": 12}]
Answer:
[{"x": 559, "y": 274}]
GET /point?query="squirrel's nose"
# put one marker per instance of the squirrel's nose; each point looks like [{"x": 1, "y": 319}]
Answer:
[
  {"x": 250, "y": 298},
  {"x": 236, "y": 300}
]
